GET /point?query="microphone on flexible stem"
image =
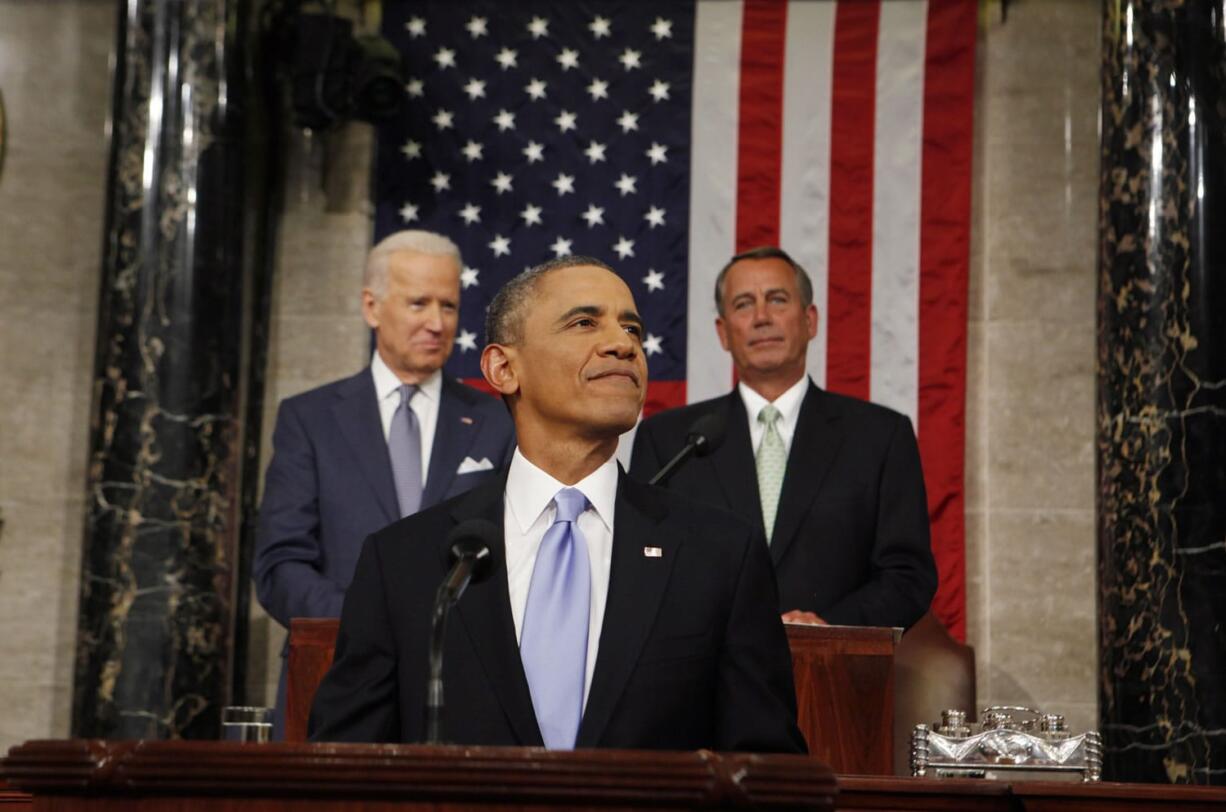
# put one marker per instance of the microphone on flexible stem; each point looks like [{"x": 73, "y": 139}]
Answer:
[
  {"x": 705, "y": 436},
  {"x": 470, "y": 552}
]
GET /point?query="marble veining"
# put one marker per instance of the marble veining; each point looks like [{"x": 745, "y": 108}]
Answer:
[
  {"x": 155, "y": 618},
  {"x": 1161, "y": 410}
]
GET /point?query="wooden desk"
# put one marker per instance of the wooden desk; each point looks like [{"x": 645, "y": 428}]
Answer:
[{"x": 844, "y": 689}]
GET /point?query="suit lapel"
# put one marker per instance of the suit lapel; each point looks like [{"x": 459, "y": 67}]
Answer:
[
  {"x": 636, "y": 586},
  {"x": 453, "y": 436},
  {"x": 814, "y": 448},
  {"x": 357, "y": 415},
  {"x": 485, "y": 614},
  {"x": 734, "y": 464}
]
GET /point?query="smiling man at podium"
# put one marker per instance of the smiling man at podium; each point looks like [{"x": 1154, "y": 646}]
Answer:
[{"x": 617, "y": 615}]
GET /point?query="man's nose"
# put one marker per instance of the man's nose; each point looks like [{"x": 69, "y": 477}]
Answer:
[
  {"x": 761, "y": 313},
  {"x": 619, "y": 344},
  {"x": 434, "y": 318}
]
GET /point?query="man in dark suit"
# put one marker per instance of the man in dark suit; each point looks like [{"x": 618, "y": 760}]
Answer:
[
  {"x": 834, "y": 482},
  {"x": 617, "y": 614},
  {"x": 349, "y": 457}
]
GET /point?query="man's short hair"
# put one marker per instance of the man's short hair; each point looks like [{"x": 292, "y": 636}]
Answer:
[
  {"x": 803, "y": 283},
  {"x": 422, "y": 242},
  {"x": 504, "y": 319}
]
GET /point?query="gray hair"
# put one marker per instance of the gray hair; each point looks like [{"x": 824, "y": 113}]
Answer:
[
  {"x": 504, "y": 319},
  {"x": 803, "y": 283},
  {"x": 421, "y": 242}
]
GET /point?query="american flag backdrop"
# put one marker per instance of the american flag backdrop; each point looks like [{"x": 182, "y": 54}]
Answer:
[{"x": 663, "y": 137}]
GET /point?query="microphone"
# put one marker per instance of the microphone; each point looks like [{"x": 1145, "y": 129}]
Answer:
[
  {"x": 705, "y": 435},
  {"x": 470, "y": 552}
]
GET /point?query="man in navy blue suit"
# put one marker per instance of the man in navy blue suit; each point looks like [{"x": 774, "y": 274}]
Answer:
[{"x": 355, "y": 455}]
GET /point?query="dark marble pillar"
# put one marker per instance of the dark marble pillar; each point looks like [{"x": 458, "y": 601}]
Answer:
[
  {"x": 1162, "y": 391},
  {"x": 157, "y": 583}
]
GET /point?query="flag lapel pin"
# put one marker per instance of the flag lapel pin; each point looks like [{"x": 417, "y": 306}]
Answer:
[
  {"x": 466, "y": 420},
  {"x": 653, "y": 552}
]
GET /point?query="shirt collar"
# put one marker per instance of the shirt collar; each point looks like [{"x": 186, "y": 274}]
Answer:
[
  {"x": 530, "y": 490},
  {"x": 788, "y": 403},
  {"x": 386, "y": 382}
]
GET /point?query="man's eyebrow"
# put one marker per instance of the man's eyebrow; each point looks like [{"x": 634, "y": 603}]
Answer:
[
  {"x": 581, "y": 310},
  {"x": 630, "y": 315}
]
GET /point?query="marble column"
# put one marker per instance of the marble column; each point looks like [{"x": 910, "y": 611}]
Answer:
[
  {"x": 157, "y": 584},
  {"x": 1161, "y": 413}
]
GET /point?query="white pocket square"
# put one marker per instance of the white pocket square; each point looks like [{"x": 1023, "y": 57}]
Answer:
[{"x": 470, "y": 466}]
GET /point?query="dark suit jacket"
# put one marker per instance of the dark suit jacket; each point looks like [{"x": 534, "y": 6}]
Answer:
[
  {"x": 851, "y": 539},
  {"x": 691, "y": 655},
  {"x": 329, "y": 485}
]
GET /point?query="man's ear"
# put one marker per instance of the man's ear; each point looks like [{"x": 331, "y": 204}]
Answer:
[
  {"x": 498, "y": 369},
  {"x": 370, "y": 308},
  {"x": 722, "y": 332}
]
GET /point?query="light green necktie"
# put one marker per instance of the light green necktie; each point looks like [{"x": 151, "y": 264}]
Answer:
[{"x": 772, "y": 459}]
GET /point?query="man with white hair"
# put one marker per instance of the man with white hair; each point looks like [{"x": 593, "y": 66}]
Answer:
[{"x": 355, "y": 455}]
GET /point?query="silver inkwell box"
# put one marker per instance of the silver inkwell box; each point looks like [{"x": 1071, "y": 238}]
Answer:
[{"x": 1012, "y": 743}]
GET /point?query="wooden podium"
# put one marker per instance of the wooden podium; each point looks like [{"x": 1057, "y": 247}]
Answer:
[
  {"x": 139, "y": 776},
  {"x": 844, "y": 689}
]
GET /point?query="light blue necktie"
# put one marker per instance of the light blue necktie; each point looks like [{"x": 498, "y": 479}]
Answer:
[
  {"x": 404, "y": 448},
  {"x": 553, "y": 643}
]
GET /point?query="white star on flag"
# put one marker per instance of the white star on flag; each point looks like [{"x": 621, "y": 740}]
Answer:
[
  {"x": 594, "y": 215},
  {"x": 595, "y": 151},
  {"x": 598, "y": 89},
  {"x": 477, "y": 27},
  {"x": 535, "y": 89},
  {"x": 628, "y": 121},
  {"x": 416, "y": 88},
  {"x": 565, "y": 120},
  {"x": 662, "y": 28},
  {"x": 408, "y": 212},
  {"x": 658, "y": 90},
  {"x": 475, "y": 89},
  {"x": 468, "y": 277},
  {"x": 534, "y": 152},
  {"x": 658, "y": 153},
  {"x": 505, "y": 120},
  {"x": 471, "y": 214},
  {"x": 599, "y": 27},
  {"x": 411, "y": 149},
  {"x": 624, "y": 248},
  {"x": 569, "y": 58},
  {"x": 531, "y": 215},
  {"x": 442, "y": 119},
  {"x": 630, "y": 59},
  {"x": 466, "y": 341},
  {"x": 416, "y": 27},
  {"x": 626, "y": 184},
  {"x": 651, "y": 344},
  {"x": 445, "y": 57},
  {"x": 654, "y": 280},
  {"x": 500, "y": 245},
  {"x": 560, "y": 247},
  {"x": 655, "y": 217},
  {"x": 440, "y": 181},
  {"x": 501, "y": 182},
  {"x": 564, "y": 183},
  {"x": 472, "y": 151},
  {"x": 506, "y": 58},
  {"x": 539, "y": 27}
]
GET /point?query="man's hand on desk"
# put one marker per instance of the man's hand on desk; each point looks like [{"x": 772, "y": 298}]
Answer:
[{"x": 805, "y": 618}]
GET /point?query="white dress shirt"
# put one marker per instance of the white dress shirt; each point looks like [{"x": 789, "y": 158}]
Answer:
[
  {"x": 424, "y": 404},
  {"x": 788, "y": 405},
  {"x": 530, "y": 510}
]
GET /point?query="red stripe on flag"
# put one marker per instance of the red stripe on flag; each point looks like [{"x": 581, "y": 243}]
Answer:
[
  {"x": 945, "y": 210},
  {"x": 760, "y": 133},
  {"x": 853, "y": 103}
]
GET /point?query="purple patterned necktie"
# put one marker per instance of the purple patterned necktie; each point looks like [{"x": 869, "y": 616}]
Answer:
[
  {"x": 553, "y": 643},
  {"x": 404, "y": 448}
]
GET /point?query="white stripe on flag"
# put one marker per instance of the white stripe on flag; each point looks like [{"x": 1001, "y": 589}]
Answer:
[
  {"x": 713, "y": 187},
  {"x": 804, "y": 204},
  {"x": 897, "y": 153}
]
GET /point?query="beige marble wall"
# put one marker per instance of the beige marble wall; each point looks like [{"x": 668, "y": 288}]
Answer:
[
  {"x": 51, "y": 219},
  {"x": 1030, "y": 398}
]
